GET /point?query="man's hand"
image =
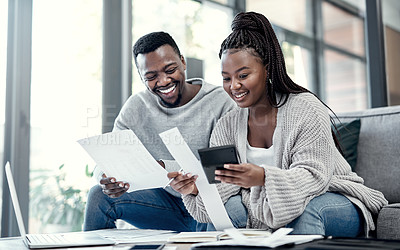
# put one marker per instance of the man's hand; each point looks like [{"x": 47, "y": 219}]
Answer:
[
  {"x": 183, "y": 183},
  {"x": 113, "y": 188},
  {"x": 245, "y": 175}
]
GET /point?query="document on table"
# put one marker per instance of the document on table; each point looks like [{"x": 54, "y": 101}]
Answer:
[
  {"x": 178, "y": 148},
  {"x": 123, "y": 236},
  {"x": 279, "y": 238},
  {"x": 122, "y": 155}
]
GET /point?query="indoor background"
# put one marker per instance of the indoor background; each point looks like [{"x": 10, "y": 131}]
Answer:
[{"x": 66, "y": 69}]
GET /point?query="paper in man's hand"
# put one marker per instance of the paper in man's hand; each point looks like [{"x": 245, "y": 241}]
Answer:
[{"x": 121, "y": 154}]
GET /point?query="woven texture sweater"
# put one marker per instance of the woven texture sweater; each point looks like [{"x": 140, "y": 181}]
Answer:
[
  {"x": 147, "y": 117},
  {"x": 307, "y": 164}
]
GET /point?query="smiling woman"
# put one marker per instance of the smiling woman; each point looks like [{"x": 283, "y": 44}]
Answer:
[{"x": 290, "y": 166}]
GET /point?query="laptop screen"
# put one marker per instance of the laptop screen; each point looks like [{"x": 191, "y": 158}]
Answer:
[{"x": 14, "y": 198}]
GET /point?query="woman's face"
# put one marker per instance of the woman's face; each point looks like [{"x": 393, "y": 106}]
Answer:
[{"x": 244, "y": 77}]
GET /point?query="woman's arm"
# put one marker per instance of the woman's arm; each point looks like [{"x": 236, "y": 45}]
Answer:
[
  {"x": 307, "y": 154},
  {"x": 194, "y": 203}
]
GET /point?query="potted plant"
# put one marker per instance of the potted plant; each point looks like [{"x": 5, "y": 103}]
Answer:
[{"x": 55, "y": 202}]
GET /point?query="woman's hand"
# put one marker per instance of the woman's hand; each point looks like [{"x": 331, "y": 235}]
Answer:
[
  {"x": 183, "y": 183},
  {"x": 113, "y": 188},
  {"x": 245, "y": 175}
]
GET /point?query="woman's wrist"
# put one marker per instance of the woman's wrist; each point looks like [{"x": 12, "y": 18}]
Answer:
[
  {"x": 262, "y": 176},
  {"x": 195, "y": 191}
]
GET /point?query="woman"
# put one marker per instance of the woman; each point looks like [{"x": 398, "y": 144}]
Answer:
[{"x": 291, "y": 172}]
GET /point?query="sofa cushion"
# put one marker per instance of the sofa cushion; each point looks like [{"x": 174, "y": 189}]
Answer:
[
  {"x": 378, "y": 160},
  {"x": 347, "y": 135},
  {"x": 388, "y": 225}
]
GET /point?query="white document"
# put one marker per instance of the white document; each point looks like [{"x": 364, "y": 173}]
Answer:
[
  {"x": 178, "y": 148},
  {"x": 121, "y": 154},
  {"x": 124, "y": 236},
  {"x": 279, "y": 238}
]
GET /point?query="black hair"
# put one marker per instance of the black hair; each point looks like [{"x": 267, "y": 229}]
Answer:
[
  {"x": 152, "y": 41},
  {"x": 253, "y": 32}
]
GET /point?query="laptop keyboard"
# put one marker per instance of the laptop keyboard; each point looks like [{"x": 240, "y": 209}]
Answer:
[{"x": 46, "y": 238}]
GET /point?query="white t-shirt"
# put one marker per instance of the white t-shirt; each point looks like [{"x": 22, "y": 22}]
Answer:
[{"x": 260, "y": 156}]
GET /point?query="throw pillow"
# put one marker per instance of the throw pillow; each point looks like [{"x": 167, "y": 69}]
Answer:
[{"x": 347, "y": 135}]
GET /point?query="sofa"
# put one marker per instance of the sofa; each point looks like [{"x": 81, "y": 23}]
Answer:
[{"x": 378, "y": 161}]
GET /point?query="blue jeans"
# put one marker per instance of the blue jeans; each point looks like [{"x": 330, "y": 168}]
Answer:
[
  {"x": 330, "y": 214},
  {"x": 147, "y": 209},
  {"x": 237, "y": 212}
]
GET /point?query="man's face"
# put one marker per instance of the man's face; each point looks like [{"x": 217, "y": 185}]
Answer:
[{"x": 163, "y": 73}]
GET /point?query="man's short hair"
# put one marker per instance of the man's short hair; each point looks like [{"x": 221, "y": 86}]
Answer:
[{"x": 152, "y": 41}]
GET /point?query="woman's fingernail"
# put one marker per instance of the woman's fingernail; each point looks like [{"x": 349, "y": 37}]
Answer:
[
  {"x": 217, "y": 172},
  {"x": 217, "y": 178},
  {"x": 112, "y": 180},
  {"x": 226, "y": 166},
  {"x": 121, "y": 185}
]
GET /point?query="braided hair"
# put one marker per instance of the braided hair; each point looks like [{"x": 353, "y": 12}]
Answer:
[{"x": 253, "y": 31}]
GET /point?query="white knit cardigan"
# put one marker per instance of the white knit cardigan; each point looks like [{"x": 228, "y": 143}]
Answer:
[{"x": 307, "y": 164}]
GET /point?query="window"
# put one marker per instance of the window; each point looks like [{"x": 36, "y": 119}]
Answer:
[
  {"x": 65, "y": 106},
  {"x": 331, "y": 64},
  {"x": 342, "y": 29},
  {"x": 191, "y": 30},
  {"x": 344, "y": 59},
  {"x": 298, "y": 64},
  {"x": 346, "y": 87},
  {"x": 293, "y": 28},
  {"x": 294, "y": 15},
  {"x": 3, "y": 67}
]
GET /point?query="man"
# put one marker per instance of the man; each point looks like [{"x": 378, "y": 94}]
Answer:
[{"x": 193, "y": 106}]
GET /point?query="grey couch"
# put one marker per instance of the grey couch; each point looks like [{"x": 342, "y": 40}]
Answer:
[{"x": 378, "y": 162}]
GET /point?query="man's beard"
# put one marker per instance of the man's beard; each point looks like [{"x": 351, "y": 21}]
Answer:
[{"x": 172, "y": 105}]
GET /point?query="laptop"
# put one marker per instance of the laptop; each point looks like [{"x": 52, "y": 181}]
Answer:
[{"x": 73, "y": 239}]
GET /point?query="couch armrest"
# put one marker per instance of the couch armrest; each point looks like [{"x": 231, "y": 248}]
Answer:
[{"x": 388, "y": 225}]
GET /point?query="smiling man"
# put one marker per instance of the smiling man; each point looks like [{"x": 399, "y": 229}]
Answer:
[
  {"x": 163, "y": 72},
  {"x": 169, "y": 101}
]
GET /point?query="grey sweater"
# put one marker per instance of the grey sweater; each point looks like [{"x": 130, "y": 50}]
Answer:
[
  {"x": 307, "y": 164},
  {"x": 146, "y": 117}
]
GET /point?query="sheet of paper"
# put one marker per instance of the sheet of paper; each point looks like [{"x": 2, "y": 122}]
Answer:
[
  {"x": 178, "y": 148},
  {"x": 279, "y": 238},
  {"x": 121, "y": 154},
  {"x": 122, "y": 236}
]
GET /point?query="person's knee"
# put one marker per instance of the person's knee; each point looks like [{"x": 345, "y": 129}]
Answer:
[
  {"x": 236, "y": 210},
  {"x": 309, "y": 222},
  {"x": 95, "y": 194},
  {"x": 328, "y": 214}
]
